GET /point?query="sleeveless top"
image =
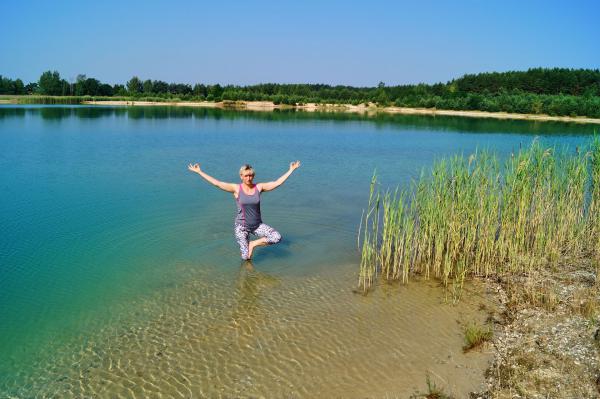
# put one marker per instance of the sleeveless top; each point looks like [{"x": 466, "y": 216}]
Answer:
[{"x": 248, "y": 209}]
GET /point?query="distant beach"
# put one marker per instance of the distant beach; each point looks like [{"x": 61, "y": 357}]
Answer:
[{"x": 312, "y": 107}]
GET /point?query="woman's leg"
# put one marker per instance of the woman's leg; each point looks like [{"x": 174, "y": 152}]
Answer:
[
  {"x": 268, "y": 236},
  {"x": 241, "y": 236}
]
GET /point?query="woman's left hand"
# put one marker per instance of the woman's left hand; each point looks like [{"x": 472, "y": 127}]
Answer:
[{"x": 294, "y": 165}]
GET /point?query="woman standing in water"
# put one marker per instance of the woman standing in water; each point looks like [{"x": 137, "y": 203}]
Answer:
[{"x": 247, "y": 196}]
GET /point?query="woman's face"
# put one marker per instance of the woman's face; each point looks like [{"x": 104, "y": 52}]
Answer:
[{"x": 247, "y": 177}]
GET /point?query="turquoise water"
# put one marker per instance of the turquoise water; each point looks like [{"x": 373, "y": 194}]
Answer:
[{"x": 101, "y": 218}]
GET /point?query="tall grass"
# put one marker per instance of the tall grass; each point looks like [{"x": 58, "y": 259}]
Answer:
[
  {"x": 474, "y": 216},
  {"x": 35, "y": 99},
  {"x": 50, "y": 99}
]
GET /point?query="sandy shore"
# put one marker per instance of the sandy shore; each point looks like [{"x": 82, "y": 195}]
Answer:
[
  {"x": 546, "y": 345},
  {"x": 371, "y": 109}
]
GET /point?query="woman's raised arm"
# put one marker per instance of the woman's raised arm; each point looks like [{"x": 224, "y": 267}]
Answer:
[
  {"x": 229, "y": 187},
  {"x": 274, "y": 184}
]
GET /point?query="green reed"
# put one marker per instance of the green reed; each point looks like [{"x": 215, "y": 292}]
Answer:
[
  {"x": 370, "y": 220},
  {"x": 594, "y": 208},
  {"x": 50, "y": 99},
  {"x": 70, "y": 100},
  {"x": 472, "y": 216}
]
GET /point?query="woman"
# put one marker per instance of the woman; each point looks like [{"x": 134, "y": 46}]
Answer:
[{"x": 247, "y": 196}]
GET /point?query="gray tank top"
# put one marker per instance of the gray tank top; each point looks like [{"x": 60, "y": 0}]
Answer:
[{"x": 248, "y": 209}]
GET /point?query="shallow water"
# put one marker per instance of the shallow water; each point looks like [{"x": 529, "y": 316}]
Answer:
[
  {"x": 119, "y": 274},
  {"x": 254, "y": 334}
]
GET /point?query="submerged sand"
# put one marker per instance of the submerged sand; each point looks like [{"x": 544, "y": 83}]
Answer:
[{"x": 264, "y": 335}]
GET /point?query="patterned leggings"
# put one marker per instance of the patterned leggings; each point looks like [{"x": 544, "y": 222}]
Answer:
[{"x": 264, "y": 230}]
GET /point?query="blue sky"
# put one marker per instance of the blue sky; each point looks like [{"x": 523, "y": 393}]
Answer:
[{"x": 334, "y": 42}]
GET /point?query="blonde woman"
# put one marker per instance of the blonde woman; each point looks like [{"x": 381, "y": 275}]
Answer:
[{"x": 248, "y": 219}]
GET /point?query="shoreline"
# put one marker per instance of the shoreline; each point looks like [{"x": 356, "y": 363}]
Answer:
[
  {"x": 546, "y": 344},
  {"x": 371, "y": 109},
  {"x": 266, "y": 106}
]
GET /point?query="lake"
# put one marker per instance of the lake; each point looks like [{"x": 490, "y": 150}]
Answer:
[{"x": 120, "y": 275}]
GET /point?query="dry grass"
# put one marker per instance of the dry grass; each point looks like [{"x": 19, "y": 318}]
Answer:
[
  {"x": 546, "y": 345},
  {"x": 585, "y": 301},
  {"x": 534, "y": 290}
]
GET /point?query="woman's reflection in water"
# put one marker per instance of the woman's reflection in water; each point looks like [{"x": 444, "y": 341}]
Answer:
[{"x": 252, "y": 285}]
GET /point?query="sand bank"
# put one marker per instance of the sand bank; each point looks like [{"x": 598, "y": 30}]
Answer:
[
  {"x": 549, "y": 349},
  {"x": 371, "y": 109}
]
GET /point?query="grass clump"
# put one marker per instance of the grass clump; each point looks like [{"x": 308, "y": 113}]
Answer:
[
  {"x": 473, "y": 216},
  {"x": 433, "y": 391},
  {"x": 476, "y": 335}
]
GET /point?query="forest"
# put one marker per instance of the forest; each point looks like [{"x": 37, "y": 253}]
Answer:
[{"x": 551, "y": 91}]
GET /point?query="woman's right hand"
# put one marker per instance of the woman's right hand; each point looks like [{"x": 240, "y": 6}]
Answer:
[
  {"x": 194, "y": 168},
  {"x": 294, "y": 165}
]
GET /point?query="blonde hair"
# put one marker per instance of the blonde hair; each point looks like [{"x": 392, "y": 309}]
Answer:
[{"x": 247, "y": 168}]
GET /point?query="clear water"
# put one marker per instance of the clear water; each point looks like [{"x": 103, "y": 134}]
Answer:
[{"x": 111, "y": 251}]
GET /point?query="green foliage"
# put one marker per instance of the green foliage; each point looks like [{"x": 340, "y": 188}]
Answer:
[
  {"x": 557, "y": 92},
  {"x": 216, "y": 91},
  {"x": 51, "y": 99},
  {"x": 51, "y": 84},
  {"x": 474, "y": 216},
  {"x": 134, "y": 85},
  {"x": 160, "y": 87},
  {"x": 9, "y": 86},
  {"x": 119, "y": 90},
  {"x": 200, "y": 90},
  {"x": 536, "y": 80},
  {"x": 148, "y": 87},
  {"x": 91, "y": 87}
]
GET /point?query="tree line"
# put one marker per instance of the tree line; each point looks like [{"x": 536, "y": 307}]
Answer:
[{"x": 554, "y": 91}]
